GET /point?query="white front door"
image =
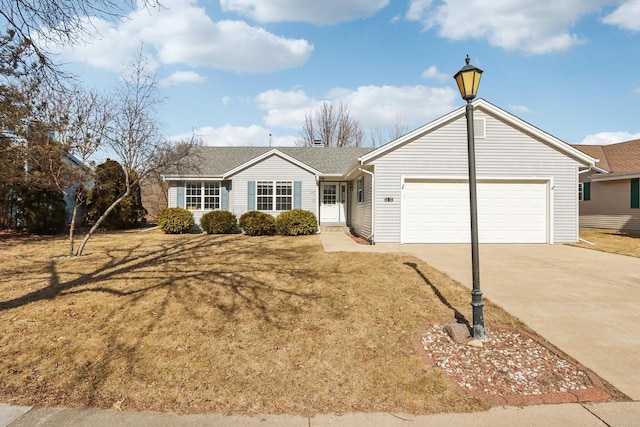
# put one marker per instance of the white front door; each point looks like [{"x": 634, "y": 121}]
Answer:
[{"x": 333, "y": 202}]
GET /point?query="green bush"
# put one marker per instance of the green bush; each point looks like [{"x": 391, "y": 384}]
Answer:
[
  {"x": 218, "y": 222},
  {"x": 109, "y": 185},
  {"x": 41, "y": 211},
  {"x": 175, "y": 220},
  {"x": 296, "y": 222},
  {"x": 257, "y": 223}
]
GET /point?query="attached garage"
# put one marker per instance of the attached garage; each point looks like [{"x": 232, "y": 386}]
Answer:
[{"x": 509, "y": 211}]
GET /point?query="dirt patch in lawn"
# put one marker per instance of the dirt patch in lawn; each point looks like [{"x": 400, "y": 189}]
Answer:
[
  {"x": 230, "y": 324},
  {"x": 610, "y": 241}
]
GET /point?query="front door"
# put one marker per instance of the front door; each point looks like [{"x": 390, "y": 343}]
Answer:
[{"x": 333, "y": 202}]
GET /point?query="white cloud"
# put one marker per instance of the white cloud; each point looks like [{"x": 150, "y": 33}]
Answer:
[
  {"x": 433, "y": 73},
  {"x": 626, "y": 16},
  {"x": 606, "y": 138},
  {"x": 285, "y": 109},
  {"x": 520, "y": 108},
  {"x": 530, "y": 26},
  {"x": 181, "y": 33},
  {"x": 235, "y": 136},
  {"x": 636, "y": 91},
  {"x": 326, "y": 12},
  {"x": 372, "y": 106},
  {"x": 180, "y": 77}
]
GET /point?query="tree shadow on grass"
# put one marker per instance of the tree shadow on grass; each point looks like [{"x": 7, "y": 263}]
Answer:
[
  {"x": 189, "y": 279},
  {"x": 181, "y": 263},
  {"x": 456, "y": 313}
]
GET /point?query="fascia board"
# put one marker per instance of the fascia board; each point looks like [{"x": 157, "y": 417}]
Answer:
[
  {"x": 191, "y": 177},
  {"x": 615, "y": 176}
]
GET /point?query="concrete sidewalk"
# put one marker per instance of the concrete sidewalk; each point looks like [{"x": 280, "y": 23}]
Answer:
[{"x": 586, "y": 415}]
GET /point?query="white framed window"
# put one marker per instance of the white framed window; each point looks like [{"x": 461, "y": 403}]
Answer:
[
  {"x": 360, "y": 189},
  {"x": 284, "y": 195},
  {"x": 202, "y": 196},
  {"x": 274, "y": 195}
]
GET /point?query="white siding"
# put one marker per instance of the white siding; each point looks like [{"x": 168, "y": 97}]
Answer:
[
  {"x": 505, "y": 152},
  {"x": 273, "y": 168},
  {"x": 361, "y": 212},
  {"x": 610, "y": 207}
]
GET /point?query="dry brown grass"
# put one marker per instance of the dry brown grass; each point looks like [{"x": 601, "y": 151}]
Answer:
[
  {"x": 231, "y": 324},
  {"x": 611, "y": 241}
]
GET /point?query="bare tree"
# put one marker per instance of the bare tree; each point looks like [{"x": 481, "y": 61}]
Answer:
[
  {"x": 79, "y": 120},
  {"x": 331, "y": 125},
  {"x": 36, "y": 22},
  {"x": 380, "y": 136},
  {"x": 133, "y": 134}
]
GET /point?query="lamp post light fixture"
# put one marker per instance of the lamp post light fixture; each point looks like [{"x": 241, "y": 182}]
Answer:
[{"x": 468, "y": 80}]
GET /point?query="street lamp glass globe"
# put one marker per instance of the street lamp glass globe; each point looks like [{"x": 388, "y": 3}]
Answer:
[{"x": 468, "y": 80}]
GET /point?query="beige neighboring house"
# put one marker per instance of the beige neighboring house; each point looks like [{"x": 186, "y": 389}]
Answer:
[{"x": 609, "y": 194}]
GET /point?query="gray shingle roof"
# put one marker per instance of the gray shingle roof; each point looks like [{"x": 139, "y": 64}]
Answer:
[{"x": 216, "y": 161}]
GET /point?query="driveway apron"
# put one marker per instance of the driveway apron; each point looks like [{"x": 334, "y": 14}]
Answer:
[{"x": 584, "y": 301}]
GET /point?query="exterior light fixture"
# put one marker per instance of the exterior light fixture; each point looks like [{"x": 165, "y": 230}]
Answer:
[{"x": 468, "y": 80}]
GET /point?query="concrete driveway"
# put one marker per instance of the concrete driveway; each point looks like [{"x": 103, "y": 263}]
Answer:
[{"x": 585, "y": 302}]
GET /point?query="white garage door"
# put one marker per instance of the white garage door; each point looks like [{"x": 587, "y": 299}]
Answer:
[{"x": 508, "y": 212}]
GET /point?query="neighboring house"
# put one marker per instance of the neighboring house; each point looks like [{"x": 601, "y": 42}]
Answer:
[
  {"x": 609, "y": 194},
  {"x": 412, "y": 190},
  {"x": 8, "y": 209}
]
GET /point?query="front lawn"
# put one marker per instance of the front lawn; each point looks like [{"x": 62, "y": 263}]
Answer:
[
  {"x": 610, "y": 241},
  {"x": 230, "y": 324}
]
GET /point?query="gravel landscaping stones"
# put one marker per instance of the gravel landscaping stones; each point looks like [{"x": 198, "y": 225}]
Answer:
[{"x": 511, "y": 367}]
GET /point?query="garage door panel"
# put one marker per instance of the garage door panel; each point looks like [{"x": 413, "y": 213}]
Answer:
[{"x": 508, "y": 212}]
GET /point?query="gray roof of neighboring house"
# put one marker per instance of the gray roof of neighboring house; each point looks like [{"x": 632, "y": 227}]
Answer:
[{"x": 216, "y": 161}]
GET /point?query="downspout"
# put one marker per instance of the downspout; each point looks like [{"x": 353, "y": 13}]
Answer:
[{"x": 373, "y": 207}]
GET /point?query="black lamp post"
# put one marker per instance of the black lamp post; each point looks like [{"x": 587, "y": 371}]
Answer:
[{"x": 468, "y": 80}]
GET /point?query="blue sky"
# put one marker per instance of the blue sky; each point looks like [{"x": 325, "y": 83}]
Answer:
[{"x": 235, "y": 71}]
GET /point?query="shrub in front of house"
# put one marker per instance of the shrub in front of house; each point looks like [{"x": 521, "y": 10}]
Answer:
[
  {"x": 219, "y": 222},
  {"x": 296, "y": 222},
  {"x": 257, "y": 223},
  {"x": 175, "y": 220}
]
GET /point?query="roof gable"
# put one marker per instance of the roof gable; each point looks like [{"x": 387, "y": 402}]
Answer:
[
  {"x": 481, "y": 104},
  {"x": 272, "y": 152}
]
